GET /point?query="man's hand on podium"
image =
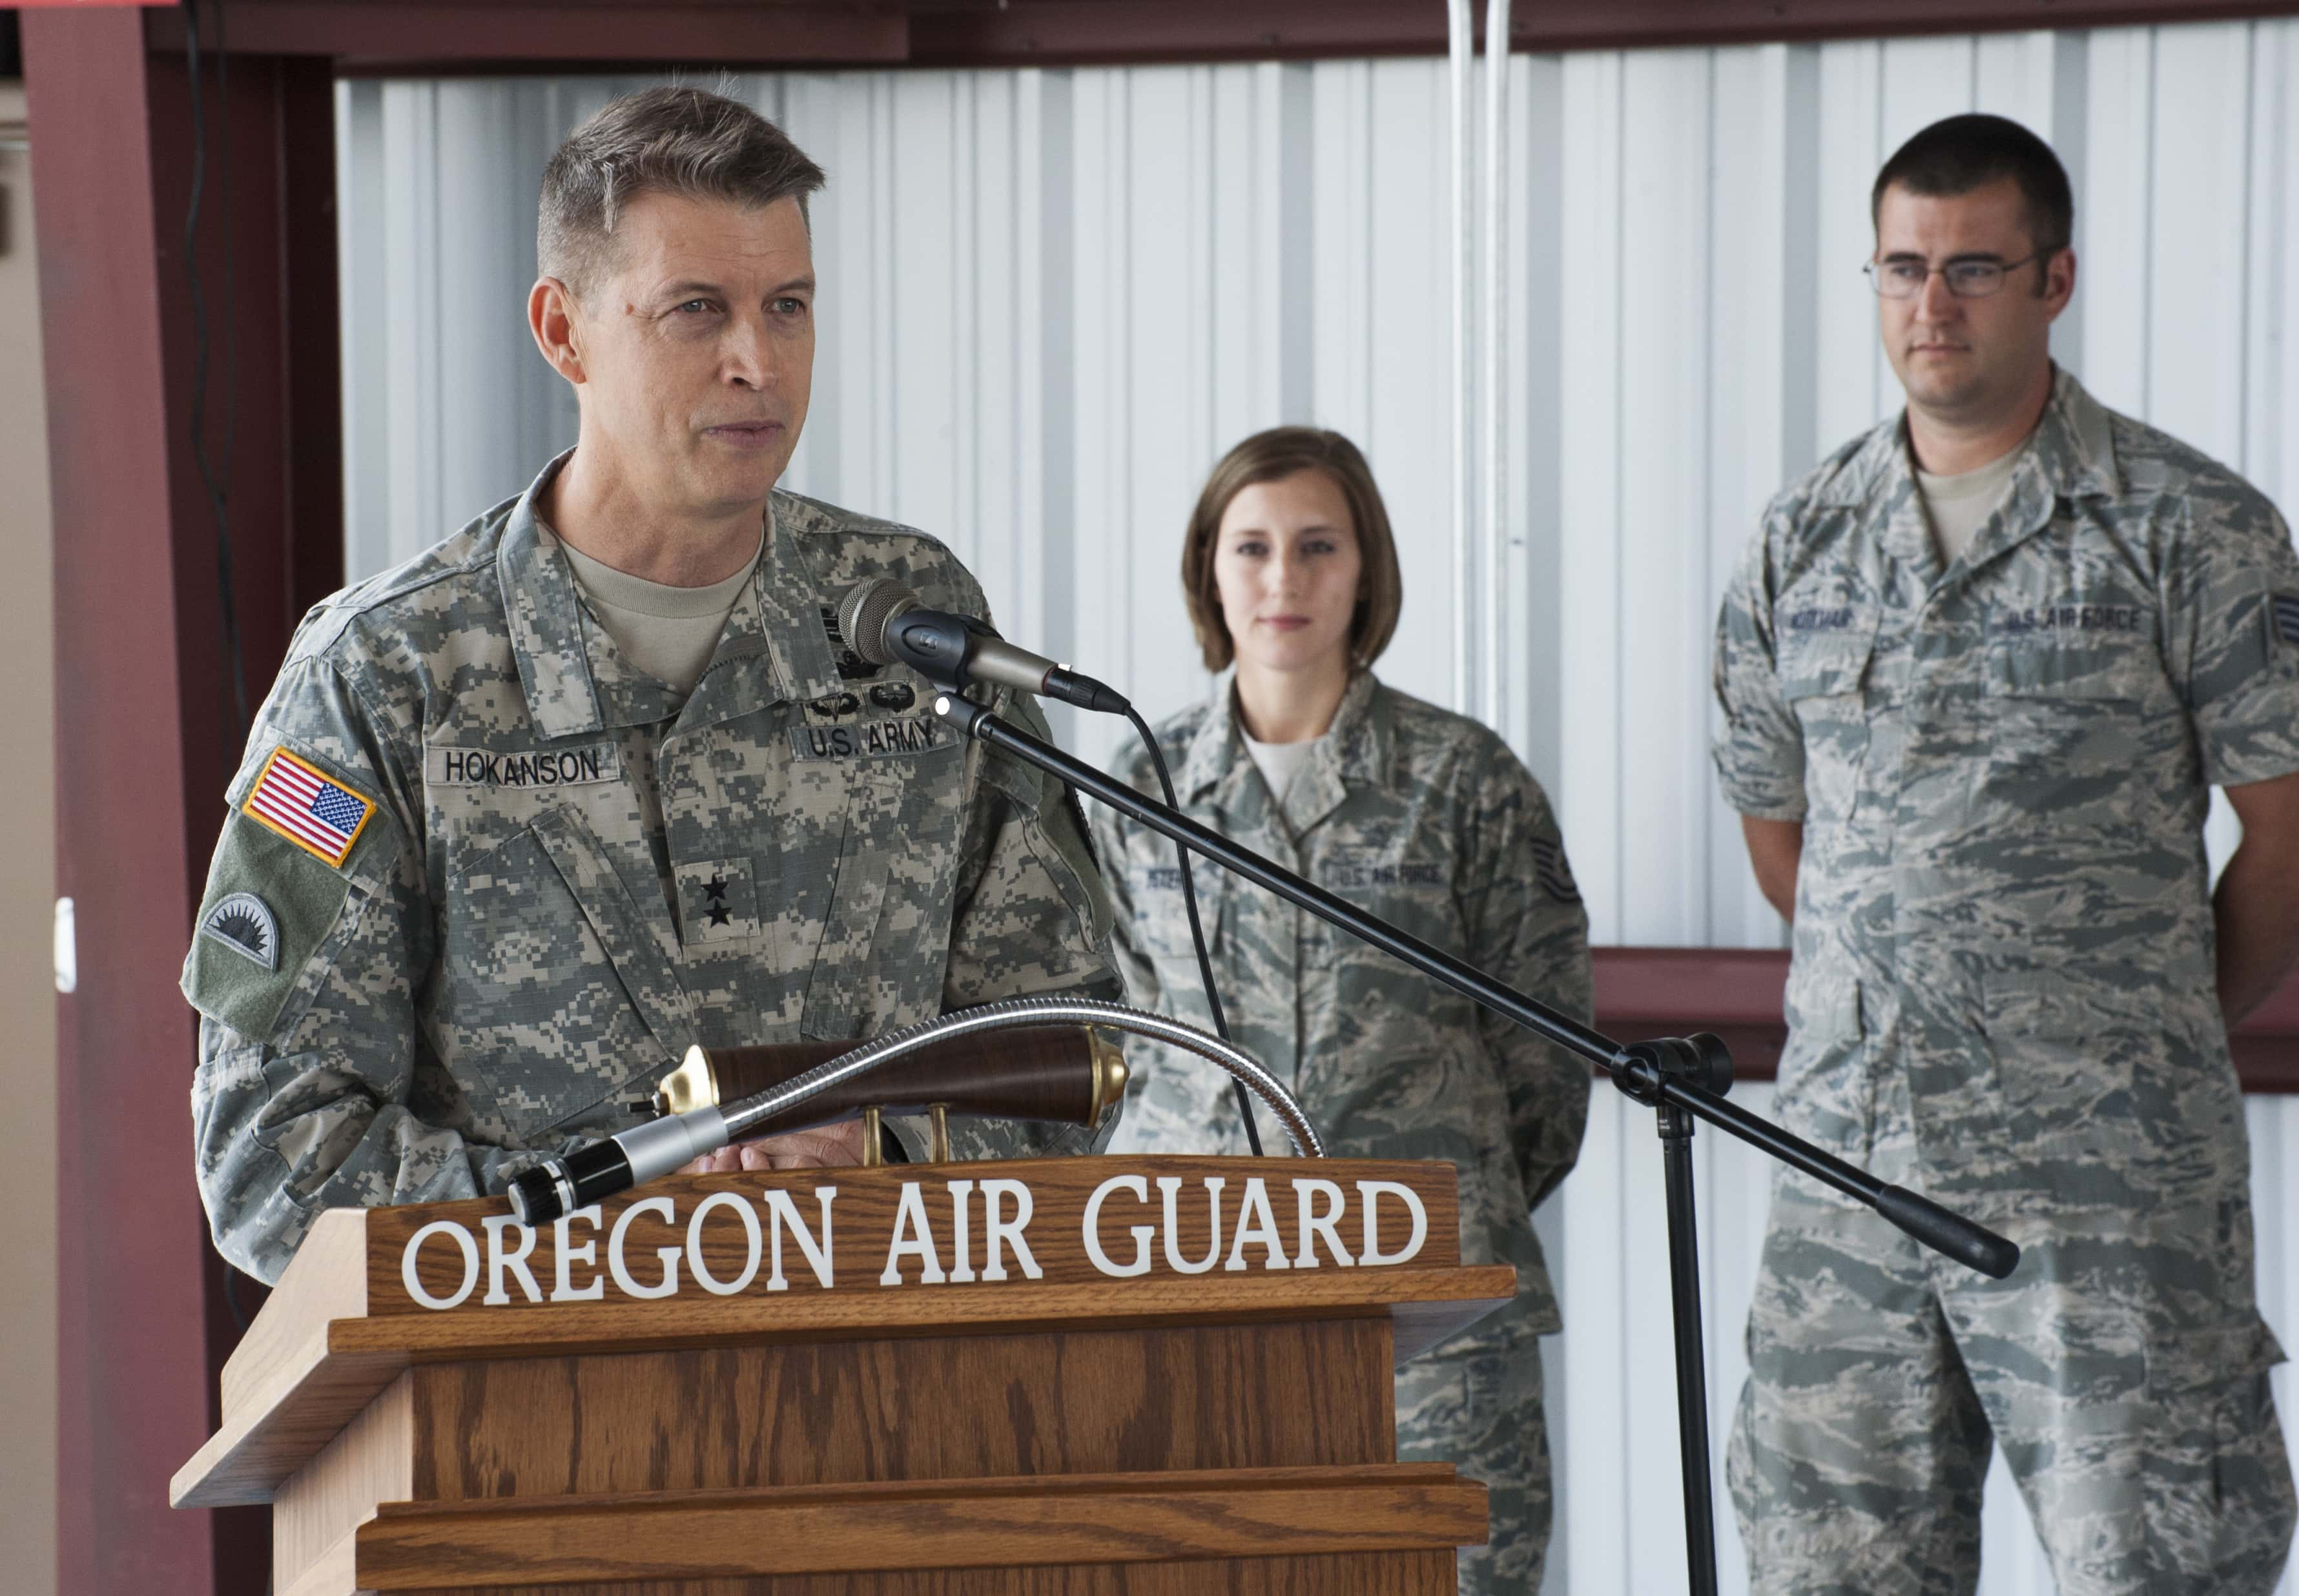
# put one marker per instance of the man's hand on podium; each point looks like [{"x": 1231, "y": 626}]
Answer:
[{"x": 825, "y": 1147}]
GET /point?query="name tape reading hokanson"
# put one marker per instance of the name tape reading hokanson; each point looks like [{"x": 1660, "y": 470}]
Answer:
[{"x": 315, "y": 813}]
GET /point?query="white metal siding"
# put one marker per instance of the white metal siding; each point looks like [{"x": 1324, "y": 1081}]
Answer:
[{"x": 1052, "y": 299}]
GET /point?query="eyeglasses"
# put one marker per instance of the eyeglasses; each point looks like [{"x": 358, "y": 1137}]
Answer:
[{"x": 1970, "y": 277}]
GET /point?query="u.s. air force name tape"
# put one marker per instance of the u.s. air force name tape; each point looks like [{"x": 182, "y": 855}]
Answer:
[{"x": 445, "y": 766}]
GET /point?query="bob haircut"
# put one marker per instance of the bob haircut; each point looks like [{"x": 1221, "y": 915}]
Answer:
[{"x": 1270, "y": 456}]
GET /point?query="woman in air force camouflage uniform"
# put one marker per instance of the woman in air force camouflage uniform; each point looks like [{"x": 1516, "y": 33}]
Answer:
[{"x": 1421, "y": 816}]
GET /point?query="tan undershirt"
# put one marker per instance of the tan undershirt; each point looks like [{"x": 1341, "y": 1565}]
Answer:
[
  {"x": 1279, "y": 762},
  {"x": 669, "y": 632},
  {"x": 1959, "y": 505}
]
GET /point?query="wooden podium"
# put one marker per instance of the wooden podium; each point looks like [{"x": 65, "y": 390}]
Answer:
[{"x": 1114, "y": 1375}]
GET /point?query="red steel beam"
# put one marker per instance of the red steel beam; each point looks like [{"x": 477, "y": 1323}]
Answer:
[
  {"x": 446, "y": 36},
  {"x": 1050, "y": 31},
  {"x": 146, "y": 731},
  {"x": 1647, "y": 992},
  {"x": 454, "y": 36}
]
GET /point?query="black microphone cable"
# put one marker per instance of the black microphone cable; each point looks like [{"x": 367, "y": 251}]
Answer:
[
  {"x": 215, "y": 473},
  {"x": 1196, "y": 930},
  {"x": 885, "y": 624}
]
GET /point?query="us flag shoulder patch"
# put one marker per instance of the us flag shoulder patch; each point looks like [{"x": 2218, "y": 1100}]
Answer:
[
  {"x": 2286, "y": 616},
  {"x": 314, "y": 811}
]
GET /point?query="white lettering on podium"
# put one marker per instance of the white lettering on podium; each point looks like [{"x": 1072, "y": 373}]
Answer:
[
  {"x": 781, "y": 1212},
  {"x": 498, "y": 1261},
  {"x": 1170, "y": 1187},
  {"x": 414, "y": 1282},
  {"x": 913, "y": 1238},
  {"x": 669, "y": 1255},
  {"x": 1372, "y": 1191},
  {"x": 564, "y": 1289},
  {"x": 997, "y": 1234},
  {"x": 695, "y": 1260},
  {"x": 1257, "y": 1224},
  {"x": 961, "y": 1217},
  {"x": 1140, "y": 1189},
  {"x": 1314, "y": 1225}
]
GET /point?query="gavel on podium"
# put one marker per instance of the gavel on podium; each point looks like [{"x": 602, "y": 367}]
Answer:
[{"x": 1065, "y": 1074}]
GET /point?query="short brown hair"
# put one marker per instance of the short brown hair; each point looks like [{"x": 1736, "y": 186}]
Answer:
[
  {"x": 667, "y": 140},
  {"x": 1271, "y": 455},
  {"x": 1960, "y": 153}
]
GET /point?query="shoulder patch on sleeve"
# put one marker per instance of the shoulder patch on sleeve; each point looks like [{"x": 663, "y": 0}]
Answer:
[
  {"x": 313, "y": 810},
  {"x": 244, "y": 923},
  {"x": 269, "y": 907},
  {"x": 1554, "y": 871},
  {"x": 2285, "y": 607}
]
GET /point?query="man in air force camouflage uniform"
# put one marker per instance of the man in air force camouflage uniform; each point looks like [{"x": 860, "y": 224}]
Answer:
[
  {"x": 1972, "y": 733},
  {"x": 1427, "y": 820},
  {"x": 485, "y": 878}
]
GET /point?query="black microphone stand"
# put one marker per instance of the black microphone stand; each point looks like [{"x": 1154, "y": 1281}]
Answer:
[{"x": 1681, "y": 1080}]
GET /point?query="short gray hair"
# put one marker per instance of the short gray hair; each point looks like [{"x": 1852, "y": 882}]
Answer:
[{"x": 670, "y": 140}]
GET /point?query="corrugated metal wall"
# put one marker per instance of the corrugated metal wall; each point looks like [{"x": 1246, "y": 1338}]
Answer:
[{"x": 1053, "y": 298}]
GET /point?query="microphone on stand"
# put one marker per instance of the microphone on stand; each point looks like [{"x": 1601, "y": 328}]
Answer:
[{"x": 887, "y": 624}]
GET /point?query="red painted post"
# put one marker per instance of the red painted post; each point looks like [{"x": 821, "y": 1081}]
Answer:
[{"x": 146, "y": 726}]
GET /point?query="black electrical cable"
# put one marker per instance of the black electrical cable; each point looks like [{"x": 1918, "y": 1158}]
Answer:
[
  {"x": 1197, "y": 930},
  {"x": 217, "y": 483}
]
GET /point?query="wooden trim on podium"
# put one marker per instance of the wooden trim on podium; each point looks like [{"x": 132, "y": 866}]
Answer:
[
  {"x": 342, "y": 1325},
  {"x": 315, "y": 1387},
  {"x": 1035, "y": 1521}
]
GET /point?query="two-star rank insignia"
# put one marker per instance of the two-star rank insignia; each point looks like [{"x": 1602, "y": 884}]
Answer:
[{"x": 718, "y": 901}]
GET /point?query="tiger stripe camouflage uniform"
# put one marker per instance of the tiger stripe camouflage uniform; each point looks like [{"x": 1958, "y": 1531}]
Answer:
[
  {"x": 1428, "y": 820},
  {"x": 2002, "y": 995},
  {"x": 561, "y": 876}
]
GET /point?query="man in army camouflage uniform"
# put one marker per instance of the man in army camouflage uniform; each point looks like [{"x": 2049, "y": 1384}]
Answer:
[
  {"x": 1427, "y": 819},
  {"x": 594, "y": 779},
  {"x": 1979, "y": 672}
]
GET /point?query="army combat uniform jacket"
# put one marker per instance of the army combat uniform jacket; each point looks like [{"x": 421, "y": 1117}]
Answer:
[
  {"x": 2003, "y": 993},
  {"x": 483, "y": 882},
  {"x": 1428, "y": 820}
]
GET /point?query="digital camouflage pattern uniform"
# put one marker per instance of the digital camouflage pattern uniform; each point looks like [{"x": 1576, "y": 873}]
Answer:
[
  {"x": 2002, "y": 995},
  {"x": 1428, "y": 820},
  {"x": 563, "y": 877}
]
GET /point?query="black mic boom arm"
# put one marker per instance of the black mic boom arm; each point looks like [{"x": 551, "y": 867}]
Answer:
[{"x": 1679, "y": 1073}]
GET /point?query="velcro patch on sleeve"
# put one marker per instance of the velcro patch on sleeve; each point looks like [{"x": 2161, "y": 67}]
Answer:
[{"x": 312, "y": 809}]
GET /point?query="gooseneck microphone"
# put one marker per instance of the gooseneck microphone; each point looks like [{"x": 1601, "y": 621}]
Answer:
[{"x": 887, "y": 624}]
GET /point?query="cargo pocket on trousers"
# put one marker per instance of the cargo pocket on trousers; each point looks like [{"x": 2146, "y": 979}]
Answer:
[{"x": 2218, "y": 1484}]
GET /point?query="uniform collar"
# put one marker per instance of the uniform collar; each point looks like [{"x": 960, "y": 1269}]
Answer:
[
  {"x": 544, "y": 616},
  {"x": 577, "y": 680},
  {"x": 2070, "y": 455},
  {"x": 793, "y": 602},
  {"x": 1356, "y": 748}
]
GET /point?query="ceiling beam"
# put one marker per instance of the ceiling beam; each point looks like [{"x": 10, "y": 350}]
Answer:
[{"x": 374, "y": 36}]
